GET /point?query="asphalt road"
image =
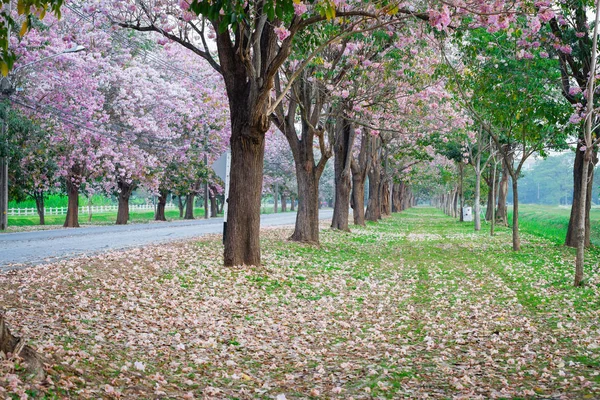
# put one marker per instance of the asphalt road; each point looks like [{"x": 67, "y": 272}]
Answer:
[{"x": 21, "y": 249}]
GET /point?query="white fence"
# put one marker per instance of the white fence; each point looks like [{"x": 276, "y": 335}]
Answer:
[{"x": 13, "y": 212}]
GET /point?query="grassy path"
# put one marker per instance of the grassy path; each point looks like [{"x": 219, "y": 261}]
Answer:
[{"x": 416, "y": 306}]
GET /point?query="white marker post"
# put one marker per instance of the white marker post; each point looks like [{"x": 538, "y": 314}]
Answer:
[{"x": 221, "y": 168}]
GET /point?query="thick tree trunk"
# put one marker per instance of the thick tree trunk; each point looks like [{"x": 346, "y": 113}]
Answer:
[
  {"x": 242, "y": 238},
  {"x": 124, "y": 194},
  {"x": 396, "y": 199},
  {"x": 359, "y": 167},
  {"x": 72, "y": 219},
  {"x": 39, "y": 205},
  {"x": 307, "y": 218},
  {"x": 292, "y": 202},
  {"x": 283, "y": 203},
  {"x": 16, "y": 346},
  {"x": 571, "y": 238},
  {"x": 358, "y": 199},
  {"x": 515, "y": 228},
  {"x": 343, "y": 154},
  {"x": 386, "y": 207},
  {"x": 160, "y": 209},
  {"x": 373, "y": 212},
  {"x": 502, "y": 212},
  {"x": 189, "y": 206},
  {"x": 405, "y": 197}
]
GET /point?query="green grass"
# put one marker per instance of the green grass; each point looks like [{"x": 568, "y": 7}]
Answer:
[
  {"x": 61, "y": 200},
  {"x": 552, "y": 222},
  {"x": 107, "y": 218},
  {"x": 97, "y": 218}
]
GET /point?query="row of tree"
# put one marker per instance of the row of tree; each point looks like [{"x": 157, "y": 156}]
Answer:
[{"x": 380, "y": 88}]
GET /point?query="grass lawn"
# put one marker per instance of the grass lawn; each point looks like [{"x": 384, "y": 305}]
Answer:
[
  {"x": 551, "y": 222},
  {"x": 16, "y": 223},
  {"x": 415, "y": 306}
]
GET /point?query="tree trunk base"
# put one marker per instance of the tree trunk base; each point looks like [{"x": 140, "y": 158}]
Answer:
[{"x": 13, "y": 347}]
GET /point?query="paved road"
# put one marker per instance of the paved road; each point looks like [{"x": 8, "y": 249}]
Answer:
[{"x": 28, "y": 248}]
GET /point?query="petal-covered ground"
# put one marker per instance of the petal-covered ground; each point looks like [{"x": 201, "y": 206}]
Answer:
[{"x": 416, "y": 306}]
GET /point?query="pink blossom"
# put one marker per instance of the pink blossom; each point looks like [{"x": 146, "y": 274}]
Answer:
[
  {"x": 535, "y": 24},
  {"x": 281, "y": 32},
  {"x": 300, "y": 8}
]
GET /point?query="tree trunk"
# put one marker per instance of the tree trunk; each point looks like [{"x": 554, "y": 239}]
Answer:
[
  {"x": 358, "y": 198},
  {"x": 180, "y": 205},
  {"x": 160, "y": 209},
  {"x": 16, "y": 346},
  {"x": 386, "y": 207},
  {"x": 396, "y": 197},
  {"x": 502, "y": 212},
  {"x": 283, "y": 202},
  {"x": 72, "y": 219},
  {"x": 493, "y": 203},
  {"x": 359, "y": 167},
  {"x": 492, "y": 183},
  {"x": 373, "y": 212},
  {"x": 477, "y": 201},
  {"x": 221, "y": 203},
  {"x": 275, "y": 197},
  {"x": 571, "y": 238},
  {"x": 461, "y": 168},
  {"x": 307, "y": 218},
  {"x": 582, "y": 236},
  {"x": 189, "y": 206},
  {"x": 515, "y": 228},
  {"x": 125, "y": 190},
  {"x": 39, "y": 205},
  {"x": 242, "y": 237},
  {"x": 343, "y": 154},
  {"x": 214, "y": 211},
  {"x": 292, "y": 202}
]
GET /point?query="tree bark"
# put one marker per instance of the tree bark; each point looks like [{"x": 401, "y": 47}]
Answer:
[
  {"x": 359, "y": 168},
  {"x": 189, "y": 206},
  {"x": 477, "y": 201},
  {"x": 283, "y": 202},
  {"x": 492, "y": 182},
  {"x": 343, "y": 157},
  {"x": 292, "y": 202},
  {"x": 571, "y": 238},
  {"x": 242, "y": 239},
  {"x": 181, "y": 206},
  {"x": 72, "y": 219},
  {"x": 275, "y": 197},
  {"x": 373, "y": 212},
  {"x": 214, "y": 211},
  {"x": 16, "y": 346},
  {"x": 160, "y": 209},
  {"x": 461, "y": 168},
  {"x": 125, "y": 190},
  {"x": 515, "y": 228},
  {"x": 502, "y": 212},
  {"x": 386, "y": 208},
  {"x": 39, "y": 205}
]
